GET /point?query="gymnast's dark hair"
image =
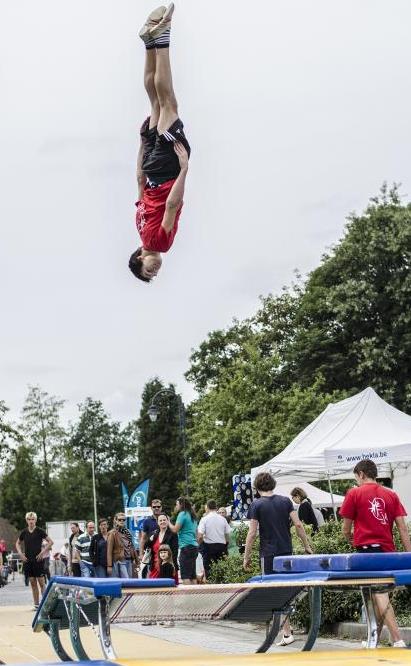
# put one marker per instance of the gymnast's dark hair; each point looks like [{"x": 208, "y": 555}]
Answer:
[{"x": 135, "y": 264}]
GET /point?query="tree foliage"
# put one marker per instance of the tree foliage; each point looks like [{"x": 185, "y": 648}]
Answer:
[
  {"x": 353, "y": 323},
  {"x": 9, "y": 435},
  {"x": 261, "y": 381},
  {"x": 115, "y": 451},
  {"x": 42, "y": 428},
  {"x": 160, "y": 451}
]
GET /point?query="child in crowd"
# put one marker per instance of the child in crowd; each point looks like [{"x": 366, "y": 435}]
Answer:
[{"x": 167, "y": 569}]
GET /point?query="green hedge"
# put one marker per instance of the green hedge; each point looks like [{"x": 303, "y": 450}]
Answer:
[{"x": 337, "y": 606}]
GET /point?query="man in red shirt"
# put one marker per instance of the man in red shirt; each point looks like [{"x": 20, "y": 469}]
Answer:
[
  {"x": 373, "y": 510},
  {"x": 162, "y": 163}
]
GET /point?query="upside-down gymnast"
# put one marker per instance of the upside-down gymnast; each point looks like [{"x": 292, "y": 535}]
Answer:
[{"x": 162, "y": 163}]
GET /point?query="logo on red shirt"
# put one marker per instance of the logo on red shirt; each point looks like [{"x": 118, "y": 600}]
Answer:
[{"x": 377, "y": 508}]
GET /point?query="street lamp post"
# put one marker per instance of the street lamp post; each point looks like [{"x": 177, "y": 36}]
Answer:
[
  {"x": 93, "y": 471},
  {"x": 153, "y": 413}
]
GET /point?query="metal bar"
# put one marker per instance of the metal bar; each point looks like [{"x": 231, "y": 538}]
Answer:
[
  {"x": 315, "y": 613},
  {"x": 332, "y": 496},
  {"x": 372, "y": 624},
  {"x": 104, "y": 626},
  {"x": 93, "y": 472},
  {"x": 210, "y": 589},
  {"x": 182, "y": 425},
  {"x": 272, "y": 633},
  {"x": 54, "y": 633},
  {"x": 74, "y": 618}
]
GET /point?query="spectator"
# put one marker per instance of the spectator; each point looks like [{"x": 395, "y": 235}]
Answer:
[
  {"x": 73, "y": 554},
  {"x": 32, "y": 537},
  {"x": 167, "y": 569},
  {"x": 83, "y": 547},
  {"x": 305, "y": 510},
  {"x": 186, "y": 528},
  {"x": 271, "y": 514},
  {"x": 98, "y": 549},
  {"x": 121, "y": 553},
  {"x": 64, "y": 556},
  {"x": 162, "y": 536},
  {"x": 46, "y": 561},
  {"x": 148, "y": 527},
  {"x": 57, "y": 566},
  {"x": 372, "y": 510},
  {"x": 223, "y": 512},
  {"x": 214, "y": 534}
]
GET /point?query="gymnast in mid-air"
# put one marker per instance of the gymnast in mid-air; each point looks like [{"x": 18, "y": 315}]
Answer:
[{"x": 162, "y": 162}]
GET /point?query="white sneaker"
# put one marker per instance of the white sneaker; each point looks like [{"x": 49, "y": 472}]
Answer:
[
  {"x": 399, "y": 644},
  {"x": 164, "y": 24},
  {"x": 286, "y": 640},
  {"x": 151, "y": 21}
]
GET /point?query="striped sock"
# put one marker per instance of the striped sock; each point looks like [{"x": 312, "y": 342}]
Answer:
[{"x": 163, "y": 41}]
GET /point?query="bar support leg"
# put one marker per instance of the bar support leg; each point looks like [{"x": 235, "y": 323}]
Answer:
[
  {"x": 372, "y": 624},
  {"x": 54, "y": 634},
  {"x": 104, "y": 627},
  {"x": 75, "y": 633},
  {"x": 271, "y": 634},
  {"x": 315, "y": 612}
]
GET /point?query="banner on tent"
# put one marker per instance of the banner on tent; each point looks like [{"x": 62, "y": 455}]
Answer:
[{"x": 343, "y": 458}]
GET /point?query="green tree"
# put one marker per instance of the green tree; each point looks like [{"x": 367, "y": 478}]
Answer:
[
  {"x": 353, "y": 323},
  {"x": 160, "y": 451},
  {"x": 42, "y": 428},
  {"x": 22, "y": 489},
  {"x": 115, "y": 451},
  {"x": 9, "y": 435}
]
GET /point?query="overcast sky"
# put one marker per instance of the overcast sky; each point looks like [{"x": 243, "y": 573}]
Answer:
[{"x": 296, "y": 112}]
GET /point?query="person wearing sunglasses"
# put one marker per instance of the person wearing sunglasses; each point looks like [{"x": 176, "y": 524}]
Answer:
[
  {"x": 121, "y": 554},
  {"x": 149, "y": 526}
]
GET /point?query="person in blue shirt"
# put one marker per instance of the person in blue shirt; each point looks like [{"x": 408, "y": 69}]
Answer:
[{"x": 186, "y": 528}]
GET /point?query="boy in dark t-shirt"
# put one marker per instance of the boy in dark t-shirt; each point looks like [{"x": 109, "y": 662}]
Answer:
[
  {"x": 271, "y": 515},
  {"x": 162, "y": 162},
  {"x": 33, "y": 554},
  {"x": 369, "y": 514}
]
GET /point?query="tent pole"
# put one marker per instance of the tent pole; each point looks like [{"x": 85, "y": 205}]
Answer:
[{"x": 332, "y": 496}]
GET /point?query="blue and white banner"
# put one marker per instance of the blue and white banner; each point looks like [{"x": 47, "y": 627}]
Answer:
[
  {"x": 138, "y": 499},
  {"x": 242, "y": 496}
]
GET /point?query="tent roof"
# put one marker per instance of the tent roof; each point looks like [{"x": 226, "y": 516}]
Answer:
[
  {"x": 317, "y": 496},
  {"x": 347, "y": 431}
]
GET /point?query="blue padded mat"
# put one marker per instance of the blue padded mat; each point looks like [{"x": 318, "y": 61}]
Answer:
[
  {"x": 401, "y": 577},
  {"x": 343, "y": 562},
  {"x": 112, "y": 586}
]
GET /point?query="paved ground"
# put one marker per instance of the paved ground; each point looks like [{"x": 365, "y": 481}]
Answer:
[{"x": 18, "y": 644}]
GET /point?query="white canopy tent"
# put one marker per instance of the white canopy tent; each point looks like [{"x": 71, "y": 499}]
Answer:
[
  {"x": 318, "y": 497},
  {"x": 363, "y": 426}
]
